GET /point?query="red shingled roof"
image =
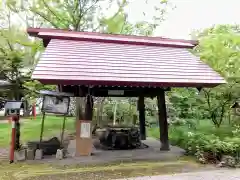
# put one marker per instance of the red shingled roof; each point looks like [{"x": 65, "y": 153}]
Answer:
[{"x": 99, "y": 59}]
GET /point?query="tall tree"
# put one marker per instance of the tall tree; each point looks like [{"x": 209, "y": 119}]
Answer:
[
  {"x": 16, "y": 52},
  {"x": 86, "y": 15},
  {"x": 220, "y": 48}
]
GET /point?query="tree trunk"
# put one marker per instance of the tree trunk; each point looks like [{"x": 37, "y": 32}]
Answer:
[
  {"x": 26, "y": 109},
  {"x": 100, "y": 104},
  {"x": 115, "y": 113}
]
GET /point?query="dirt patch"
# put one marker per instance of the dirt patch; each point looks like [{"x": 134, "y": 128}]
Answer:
[
  {"x": 37, "y": 171},
  {"x": 114, "y": 172},
  {"x": 4, "y": 153}
]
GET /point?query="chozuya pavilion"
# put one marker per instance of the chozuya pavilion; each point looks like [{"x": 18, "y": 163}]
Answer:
[{"x": 94, "y": 64}]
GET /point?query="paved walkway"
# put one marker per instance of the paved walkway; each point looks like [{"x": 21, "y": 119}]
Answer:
[
  {"x": 152, "y": 153},
  {"x": 207, "y": 175}
]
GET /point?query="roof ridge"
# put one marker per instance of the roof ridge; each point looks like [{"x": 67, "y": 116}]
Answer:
[{"x": 45, "y": 33}]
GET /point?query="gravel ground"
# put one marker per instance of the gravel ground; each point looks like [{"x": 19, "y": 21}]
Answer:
[
  {"x": 112, "y": 172},
  {"x": 207, "y": 175},
  {"x": 4, "y": 152}
]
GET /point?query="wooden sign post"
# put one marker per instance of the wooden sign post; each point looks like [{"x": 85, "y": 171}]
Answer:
[
  {"x": 84, "y": 144},
  {"x": 83, "y": 138},
  {"x": 55, "y": 103}
]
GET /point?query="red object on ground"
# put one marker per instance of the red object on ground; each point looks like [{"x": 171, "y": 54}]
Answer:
[
  {"x": 13, "y": 138},
  {"x": 34, "y": 111}
]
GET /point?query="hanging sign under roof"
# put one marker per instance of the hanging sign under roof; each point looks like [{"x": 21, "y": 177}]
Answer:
[{"x": 116, "y": 92}]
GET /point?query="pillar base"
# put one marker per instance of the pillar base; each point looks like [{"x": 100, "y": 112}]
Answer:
[
  {"x": 143, "y": 137},
  {"x": 164, "y": 147}
]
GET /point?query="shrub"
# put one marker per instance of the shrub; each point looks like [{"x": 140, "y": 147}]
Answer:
[{"x": 203, "y": 140}]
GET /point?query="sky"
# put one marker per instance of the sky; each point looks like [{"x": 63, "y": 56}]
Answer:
[{"x": 189, "y": 15}]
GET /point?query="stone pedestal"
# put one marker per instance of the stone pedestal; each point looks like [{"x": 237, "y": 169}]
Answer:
[
  {"x": 39, "y": 154},
  {"x": 30, "y": 154},
  {"x": 60, "y": 154},
  {"x": 20, "y": 155}
]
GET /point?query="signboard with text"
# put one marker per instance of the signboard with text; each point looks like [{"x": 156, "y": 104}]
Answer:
[{"x": 56, "y": 105}]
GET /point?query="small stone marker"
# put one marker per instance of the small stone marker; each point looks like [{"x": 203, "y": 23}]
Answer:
[
  {"x": 60, "y": 154},
  {"x": 20, "y": 155},
  {"x": 30, "y": 154},
  {"x": 39, "y": 154}
]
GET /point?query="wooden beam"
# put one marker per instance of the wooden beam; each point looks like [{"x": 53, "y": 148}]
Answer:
[
  {"x": 142, "y": 121},
  {"x": 163, "y": 124},
  {"x": 46, "y": 42},
  {"x": 102, "y": 91}
]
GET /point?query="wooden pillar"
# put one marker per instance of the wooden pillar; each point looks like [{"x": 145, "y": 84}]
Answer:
[
  {"x": 142, "y": 124},
  {"x": 83, "y": 130},
  {"x": 79, "y": 105},
  {"x": 163, "y": 124},
  {"x": 89, "y": 108}
]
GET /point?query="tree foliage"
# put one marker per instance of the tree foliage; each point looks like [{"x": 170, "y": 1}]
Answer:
[
  {"x": 15, "y": 53},
  {"x": 219, "y": 47}
]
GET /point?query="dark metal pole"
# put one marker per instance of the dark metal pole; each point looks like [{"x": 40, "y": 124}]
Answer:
[
  {"x": 63, "y": 130},
  {"x": 17, "y": 127},
  {"x": 42, "y": 128}
]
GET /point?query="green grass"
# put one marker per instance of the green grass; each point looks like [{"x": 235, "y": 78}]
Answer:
[
  {"x": 204, "y": 127},
  {"x": 30, "y": 128}
]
